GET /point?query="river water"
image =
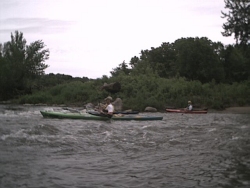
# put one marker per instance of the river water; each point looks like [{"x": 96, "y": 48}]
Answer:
[{"x": 182, "y": 150}]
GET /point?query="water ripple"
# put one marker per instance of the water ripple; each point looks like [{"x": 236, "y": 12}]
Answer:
[{"x": 211, "y": 150}]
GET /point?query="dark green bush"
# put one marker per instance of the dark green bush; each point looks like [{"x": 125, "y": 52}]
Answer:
[{"x": 140, "y": 91}]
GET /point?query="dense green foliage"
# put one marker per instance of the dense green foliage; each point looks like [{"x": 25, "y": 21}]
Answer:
[
  {"x": 194, "y": 59},
  {"x": 196, "y": 69},
  {"x": 49, "y": 80},
  {"x": 238, "y": 20},
  {"x": 19, "y": 64},
  {"x": 145, "y": 90},
  {"x": 208, "y": 73}
]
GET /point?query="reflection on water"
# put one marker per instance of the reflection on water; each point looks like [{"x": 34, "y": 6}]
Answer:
[{"x": 209, "y": 150}]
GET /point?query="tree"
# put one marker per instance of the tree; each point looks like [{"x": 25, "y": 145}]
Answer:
[
  {"x": 238, "y": 20},
  {"x": 21, "y": 63},
  {"x": 122, "y": 68},
  {"x": 133, "y": 62},
  {"x": 235, "y": 64},
  {"x": 28, "y": 58},
  {"x": 161, "y": 59},
  {"x": 6, "y": 79},
  {"x": 198, "y": 59}
]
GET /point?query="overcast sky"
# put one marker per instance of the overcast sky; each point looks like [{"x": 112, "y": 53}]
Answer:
[{"x": 89, "y": 38}]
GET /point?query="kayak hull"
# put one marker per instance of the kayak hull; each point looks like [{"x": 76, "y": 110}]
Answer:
[
  {"x": 126, "y": 112},
  {"x": 86, "y": 116},
  {"x": 186, "y": 111}
]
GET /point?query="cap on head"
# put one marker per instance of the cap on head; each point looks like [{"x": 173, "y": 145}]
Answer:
[
  {"x": 189, "y": 102},
  {"x": 108, "y": 98}
]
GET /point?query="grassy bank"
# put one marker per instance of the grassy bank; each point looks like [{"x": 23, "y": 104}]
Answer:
[{"x": 138, "y": 92}]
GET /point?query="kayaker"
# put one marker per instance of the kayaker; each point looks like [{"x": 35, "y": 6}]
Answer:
[
  {"x": 190, "y": 106},
  {"x": 109, "y": 109}
]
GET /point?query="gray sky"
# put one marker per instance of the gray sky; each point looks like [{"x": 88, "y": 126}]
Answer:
[{"x": 91, "y": 37}]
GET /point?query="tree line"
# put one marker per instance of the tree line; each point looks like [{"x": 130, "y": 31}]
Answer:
[
  {"x": 192, "y": 58},
  {"x": 22, "y": 68},
  {"x": 200, "y": 58},
  {"x": 196, "y": 61}
]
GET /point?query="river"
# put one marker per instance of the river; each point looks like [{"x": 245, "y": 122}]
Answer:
[{"x": 182, "y": 150}]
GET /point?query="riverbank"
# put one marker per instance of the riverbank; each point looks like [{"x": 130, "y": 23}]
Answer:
[{"x": 230, "y": 110}]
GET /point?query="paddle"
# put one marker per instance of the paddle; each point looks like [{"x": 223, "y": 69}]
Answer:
[
  {"x": 74, "y": 110},
  {"x": 97, "y": 113},
  {"x": 100, "y": 112},
  {"x": 90, "y": 111}
]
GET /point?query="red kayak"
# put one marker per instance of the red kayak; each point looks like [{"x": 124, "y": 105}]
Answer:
[{"x": 186, "y": 111}]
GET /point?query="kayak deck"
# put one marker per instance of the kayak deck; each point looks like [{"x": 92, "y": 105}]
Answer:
[{"x": 86, "y": 116}]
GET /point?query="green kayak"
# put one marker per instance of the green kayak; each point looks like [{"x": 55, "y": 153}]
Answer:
[{"x": 86, "y": 116}]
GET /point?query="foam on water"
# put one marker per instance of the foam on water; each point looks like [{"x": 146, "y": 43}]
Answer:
[{"x": 211, "y": 150}]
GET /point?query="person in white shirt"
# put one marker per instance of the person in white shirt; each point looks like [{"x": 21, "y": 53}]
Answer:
[
  {"x": 190, "y": 106},
  {"x": 109, "y": 109}
]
